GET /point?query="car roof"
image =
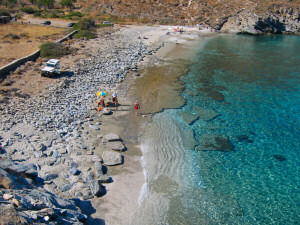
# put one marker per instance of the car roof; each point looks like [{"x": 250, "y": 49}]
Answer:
[{"x": 53, "y": 61}]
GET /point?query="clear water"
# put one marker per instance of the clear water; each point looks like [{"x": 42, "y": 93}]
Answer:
[{"x": 244, "y": 91}]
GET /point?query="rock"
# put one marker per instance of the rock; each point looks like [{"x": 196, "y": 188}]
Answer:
[
  {"x": 106, "y": 111},
  {"x": 244, "y": 137},
  {"x": 96, "y": 158},
  {"x": 280, "y": 158},
  {"x": 8, "y": 215},
  {"x": 94, "y": 127},
  {"x": 111, "y": 158},
  {"x": 96, "y": 188},
  {"x": 49, "y": 177},
  {"x": 16, "y": 203},
  {"x": 74, "y": 171},
  {"x": 189, "y": 118},
  {"x": 7, "y": 196},
  {"x": 112, "y": 137},
  {"x": 218, "y": 143},
  {"x": 62, "y": 151},
  {"x": 67, "y": 187},
  {"x": 6, "y": 180},
  {"x": 207, "y": 114},
  {"x": 80, "y": 145},
  {"x": 98, "y": 169},
  {"x": 116, "y": 145},
  {"x": 277, "y": 21}
]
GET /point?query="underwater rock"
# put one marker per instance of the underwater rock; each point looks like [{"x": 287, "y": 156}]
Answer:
[
  {"x": 189, "y": 118},
  {"x": 280, "y": 158},
  {"x": 207, "y": 114},
  {"x": 244, "y": 137},
  {"x": 218, "y": 143}
]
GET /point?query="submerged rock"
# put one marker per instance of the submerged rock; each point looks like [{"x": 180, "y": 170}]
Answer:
[
  {"x": 218, "y": 143},
  {"x": 280, "y": 158}
]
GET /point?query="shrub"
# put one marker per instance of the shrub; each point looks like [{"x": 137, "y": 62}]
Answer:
[
  {"x": 85, "y": 24},
  {"x": 37, "y": 13},
  {"x": 28, "y": 10},
  {"x": 85, "y": 33},
  {"x": 12, "y": 36},
  {"x": 4, "y": 13},
  {"x": 104, "y": 25},
  {"x": 53, "y": 15},
  {"x": 74, "y": 13},
  {"x": 53, "y": 50}
]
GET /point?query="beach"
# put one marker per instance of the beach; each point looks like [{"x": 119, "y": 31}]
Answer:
[{"x": 55, "y": 126}]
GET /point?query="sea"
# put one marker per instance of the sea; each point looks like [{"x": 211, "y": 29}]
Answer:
[{"x": 231, "y": 153}]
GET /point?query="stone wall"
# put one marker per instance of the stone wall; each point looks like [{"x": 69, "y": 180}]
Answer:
[{"x": 5, "y": 70}]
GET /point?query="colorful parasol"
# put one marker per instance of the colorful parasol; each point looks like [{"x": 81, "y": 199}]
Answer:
[{"x": 101, "y": 93}]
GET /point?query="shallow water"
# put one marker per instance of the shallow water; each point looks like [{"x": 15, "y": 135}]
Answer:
[{"x": 230, "y": 155}]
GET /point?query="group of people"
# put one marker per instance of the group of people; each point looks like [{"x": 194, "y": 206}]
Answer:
[{"x": 115, "y": 101}]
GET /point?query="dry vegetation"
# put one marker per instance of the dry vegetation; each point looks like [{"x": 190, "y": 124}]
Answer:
[{"x": 19, "y": 40}]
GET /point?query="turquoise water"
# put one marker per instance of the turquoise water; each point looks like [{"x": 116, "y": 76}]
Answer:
[{"x": 231, "y": 154}]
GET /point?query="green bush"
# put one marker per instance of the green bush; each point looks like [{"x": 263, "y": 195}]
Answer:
[
  {"x": 75, "y": 13},
  {"x": 104, "y": 25},
  {"x": 37, "y": 13},
  {"x": 85, "y": 34},
  {"x": 54, "y": 15},
  {"x": 85, "y": 24},
  {"x": 4, "y": 13},
  {"x": 12, "y": 36},
  {"x": 53, "y": 50},
  {"x": 28, "y": 10}
]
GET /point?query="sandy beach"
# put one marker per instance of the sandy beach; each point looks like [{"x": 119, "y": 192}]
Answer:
[
  {"x": 154, "y": 77},
  {"x": 159, "y": 78}
]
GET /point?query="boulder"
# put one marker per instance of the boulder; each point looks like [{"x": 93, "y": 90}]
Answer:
[
  {"x": 116, "y": 145},
  {"x": 6, "y": 180},
  {"x": 25, "y": 170},
  {"x": 111, "y": 158},
  {"x": 49, "y": 177},
  {"x": 96, "y": 188},
  {"x": 9, "y": 215},
  {"x": 112, "y": 137},
  {"x": 100, "y": 174}
]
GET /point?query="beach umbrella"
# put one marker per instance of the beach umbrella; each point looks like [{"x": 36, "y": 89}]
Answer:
[{"x": 101, "y": 93}]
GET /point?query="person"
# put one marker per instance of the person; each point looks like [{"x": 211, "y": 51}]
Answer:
[
  {"x": 136, "y": 106},
  {"x": 116, "y": 103},
  {"x": 102, "y": 101},
  {"x": 114, "y": 95}
]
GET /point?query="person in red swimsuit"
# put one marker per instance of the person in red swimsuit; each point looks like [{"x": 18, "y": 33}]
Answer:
[{"x": 136, "y": 106}]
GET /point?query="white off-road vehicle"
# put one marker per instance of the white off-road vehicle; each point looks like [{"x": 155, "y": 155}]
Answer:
[{"x": 52, "y": 68}]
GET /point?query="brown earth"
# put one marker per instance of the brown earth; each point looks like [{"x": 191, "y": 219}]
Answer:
[
  {"x": 29, "y": 38},
  {"x": 27, "y": 79}
]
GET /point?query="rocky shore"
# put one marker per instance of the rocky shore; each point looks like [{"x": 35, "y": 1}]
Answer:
[{"x": 54, "y": 155}]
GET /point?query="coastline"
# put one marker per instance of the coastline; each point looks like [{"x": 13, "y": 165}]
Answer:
[{"x": 122, "y": 195}]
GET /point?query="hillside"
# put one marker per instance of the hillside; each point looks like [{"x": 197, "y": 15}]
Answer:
[
  {"x": 274, "y": 16},
  {"x": 210, "y": 12}
]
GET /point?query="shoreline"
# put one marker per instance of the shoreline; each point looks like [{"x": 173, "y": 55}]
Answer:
[{"x": 129, "y": 177}]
